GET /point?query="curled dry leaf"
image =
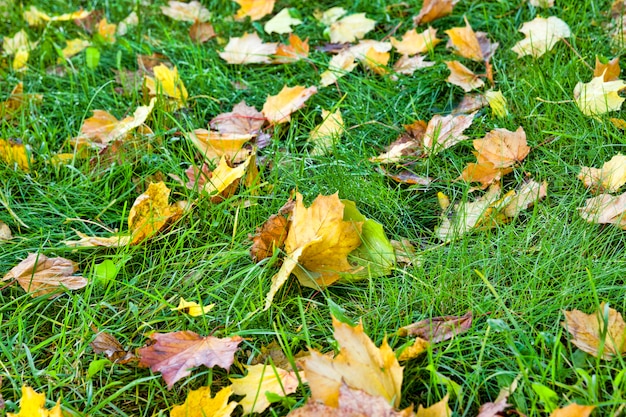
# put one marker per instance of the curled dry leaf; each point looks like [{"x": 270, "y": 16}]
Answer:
[
  {"x": 416, "y": 43},
  {"x": 409, "y": 143},
  {"x": 254, "y": 9},
  {"x": 277, "y": 109},
  {"x": 438, "y": 329},
  {"x": 33, "y": 404},
  {"x": 573, "y": 410},
  {"x": 272, "y": 234},
  {"x": 350, "y": 28},
  {"x": 434, "y": 9},
  {"x": 541, "y": 36},
  {"x": 174, "y": 354},
  {"x": 359, "y": 365},
  {"x": 352, "y": 403},
  {"x": 598, "y": 96},
  {"x": 40, "y": 275},
  {"x": 200, "y": 404},
  {"x": 262, "y": 379},
  {"x": 193, "y": 11},
  {"x": 213, "y": 145},
  {"x": 601, "y": 334},
  {"x": 609, "y": 178},
  {"x": 463, "y": 77},
  {"x": 605, "y": 208},
  {"x": 111, "y": 347},
  {"x": 248, "y": 49},
  {"x": 525, "y": 197},
  {"x": 281, "y": 22}
]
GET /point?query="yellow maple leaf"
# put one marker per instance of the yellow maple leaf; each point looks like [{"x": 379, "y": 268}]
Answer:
[
  {"x": 200, "y": 404},
  {"x": 465, "y": 42},
  {"x": 598, "y": 96},
  {"x": 277, "y": 109},
  {"x": 462, "y": 76},
  {"x": 263, "y": 379},
  {"x": 416, "y": 43},
  {"x": 339, "y": 65},
  {"x": 14, "y": 153},
  {"x": 573, "y": 410},
  {"x": 248, "y": 49},
  {"x": 254, "y": 9},
  {"x": 167, "y": 82},
  {"x": 317, "y": 244},
  {"x": 150, "y": 212},
  {"x": 359, "y": 364},
  {"x": 281, "y": 23},
  {"x": 541, "y": 36},
  {"x": 32, "y": 404},
  {"x": 225, "y": 176}
]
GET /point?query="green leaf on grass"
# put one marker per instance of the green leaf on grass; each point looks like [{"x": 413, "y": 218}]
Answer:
[
  {"x": 547, "y": 397},
  {"x": 96, "y": 366},
  {"x": 92, "y": 57},
  {"x": 105, "y": 271}
]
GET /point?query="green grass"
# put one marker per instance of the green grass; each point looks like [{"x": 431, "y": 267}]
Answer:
[{"x": 516, "y": 278}]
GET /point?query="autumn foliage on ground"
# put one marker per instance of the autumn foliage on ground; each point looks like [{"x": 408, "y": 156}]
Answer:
[{"x": 259, "y": 206}]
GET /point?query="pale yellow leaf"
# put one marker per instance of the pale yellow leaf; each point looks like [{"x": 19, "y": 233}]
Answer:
[
  {"x": 248, "y": 49},
  {"x": 167, "y": 82},
  {"x": 462, "y": 76},
  {"x": 263, "y": 379},
  {"x": 416, "y": 43},
  {"x": 281, "y": 23},
  {"x": 339, "y": 65},
  {"x": 497, "y": 102},
  {"x": 74, "y": 46},
  {"x": 323, "y": 135},
  {"x": 278, "y": 109},
  {"x": 601, "y": 334},
  {"x": 223, "y": 176},
  {"x": 609, "y": 178},
  {"x": 541, "y": 36},
  {"x": 351, "y": 28},
  {"x": 187, "y": 12},
  {"x": 598, "y": 96}
]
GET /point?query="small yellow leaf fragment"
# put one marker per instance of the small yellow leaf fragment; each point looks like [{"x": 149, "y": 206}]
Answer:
[
  {"x": 573, "y": 410},
  {"x": 541, "y": 36},
  {"x": 259, "y": 380},
  {"x": 32, "y": 404},
  {"x": 74, "y": 46},
  {"x": 497, "y": 102},
  {"x": 200, "y": 404},
  {"x": 418, "y": 347},
  {"x": 14, "y": 153},
  {"x": 192, "y": 308},
  {"x": 598, "y": 97}
]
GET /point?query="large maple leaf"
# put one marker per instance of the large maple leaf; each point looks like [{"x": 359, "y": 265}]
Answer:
[{"x": 174, "y": 354}]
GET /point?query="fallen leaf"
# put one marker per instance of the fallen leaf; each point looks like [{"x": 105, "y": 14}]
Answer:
[
  {"x": 260, "y": 380},
  {"x": 409, "y": 143},
  {"x": 541, "y": 36},
  {"x": 40, "y": 275},
  {"x": 281, "y": 22},
  {"x": 35, "y": 17},
  {"x": 151, "y": 212},
  {"x": 408, "y": 65},
  {"x": 174, "y": 354},
  {"x": 111, "y": 347},
  {"x": 192, "y": 308},
  {"x": 502, "y": 147},
  {"x": 605, "y": 208},
  {"x": 609, "y": 178},
  {"x": 278, "y": 109},
  {"x": 438, "y": 329},
  {"x": 323, "y": 135},
  {"x": 330, "y": 16},
  {"x": 405, "y": 252},
  {"x": 74, "y": 46},
  {"x": 167, "y": 82},
  {"x": 470, "y": 103},
  {"x": 416, "y": 43},
  {"x": 351, "y": 403},
  {"x": 18, "y": 46},
  {"x": 213, "y": 145},
  {"x": 106, "y": 30},
  {"x": 224, "y": 180},
  {"x": 317, "y": 244},
  {"x": 609, "y": 71},
  {"x": 418, "y": 347},
  {"x": 376, "y": 61},
  {"x": 496, "y": 408},
  {"x": 443, "y": 132},
  {"x": 296, "y": 50},
  {"x": 439, "y": 409},
  {"x": 359, "y": 365},
  {"x": 14, "y": 153},
  {"x": 248, "y": 49},
  {"x": 484, "y": 172},
  {"x": 89, "y": 241},
  {"x": 463, "y": 77},
  {"x": 272, "y": 234},
  {"x": 33, "y": 404},
  {"x": 193, "y": 11},
  {"x": 573, "y": 410},
  {"x": 601, "y": 334},
  {"x": 17, "y": 101},
  {"x": 350, "y": 28},
  {"x": 339, "y": 65},
  {"x": 497, "y": 102},
  {"x": 200, "y": 404},
  {"x": 434, "y": 9},
  {"x": 147, "y": 63},
  {"x": 201, "y": 32},
  {"x": 242, "y": 120},
  {"x": 525, "y": 197},
  {"x": 5, "y": 232},
  {"x": 541, "y": 3},
  {"x": 464, "y": 42},
  {"x": 254, "y": 9},
  {"x": 599, "y": 97},
  {"x": 129, "y": 21}
]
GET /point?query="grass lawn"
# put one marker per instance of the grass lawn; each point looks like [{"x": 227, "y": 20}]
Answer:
[{"x": 516, "y": 278}]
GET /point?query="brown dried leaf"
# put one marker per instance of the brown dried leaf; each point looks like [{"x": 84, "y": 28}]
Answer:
[
  {"x": 270, "y": 236},
  {"x": 470, "y": 103},
  {"x": 409, "y": 143},
  {"x": 525, "y": 197},
  {"x": 16, "y": 101},
  {"x": 438, "y": 329},
  {"x": 201, "y": 32},
  {"x": 174, "y": 354},
  {"x": 278, "y": 109},
  {"x": 434, "y": 9},
  {"x": 112, "y": 349},
  {"x": 610, "y": 71},
  {"x": 40, "y": 275},
  {"x": 5, "y": 232},
  {"x": 462, "y": 76},
  {"x": 601, "y": 334},
  {"x": 496, "y": 408},
  {"x": 483, "y": 172},
  {"x": 502, "y": 147}
]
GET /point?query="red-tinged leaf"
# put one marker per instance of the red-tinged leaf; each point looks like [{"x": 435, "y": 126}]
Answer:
[
  {"x": 438, "y": 329},
  {"x": 174, "y": 354}
]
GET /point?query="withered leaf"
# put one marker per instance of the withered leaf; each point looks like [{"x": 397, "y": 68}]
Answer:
[
  {"x": 439, "y": 409},
  {"x": 609, "y": 178},
  {"x": 605, "y": 208},
  {"x": 438, "y": 329},
  {"x": 270, "y": 236},
  {"x": 434, "y": 9},
  {"x": 502, "y": 147},
  {"x": 242, "y": 120},
  {"x": 609, "y": 71},
  {"x": 111, "y": 347},
  {"x": 174, "y": 354},
  {"x": 601, "y": 334},
  {"x": 201, "y": 32},
  {"x": 463, "y": 77},
  {"x": 278, "y": 109},
  {"x": 248, "y": 49},
  {"x": 262, "y": 379}
]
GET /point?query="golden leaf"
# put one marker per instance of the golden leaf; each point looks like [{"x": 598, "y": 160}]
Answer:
[
  {"x": 502, "y": 147},
  {"x": 151, "y": 212},
  {"x": 200, "y": 404},
  {"x": 106, "y": 30},
  {"x": 192, "y": 308},
  {"x": 497, "y": 102},
  {"x": 225, "y": 176},
  {"x": 465, "y": 42},
  {"x": 254, "y": 9},
  {"x": 168, "y": 83},
  {"x": 434, "y": 9},
  {"x": 277, "y": 109},
  {"x": 418, "y": 347},
  {"x": 416, "y": 43},
  {"x": 15, "y": 153},
  {"x": 40, "y": 275},
  {"x": 281, "y": 22},
  {"x": 609, "y": 71},
  {"x": 263, "y": 379},
  {"x": 601, "y": 334},
  {"x": 74, "y": 46},
  {"x": 598, "y": 97},
  {"x": 609, "y": 178},
  {"x": 339, "y": 65},
  {"x": 359, "y": 364},
  {"x": 16, "y": 101},
  {"x": 376, "y": 61},
  {"x": 32, "y": 404},
  {"x": 484, "y": 172},
  {"x": 317, "y": 245},
  {"x": 462, "y": 76},
  {"x": 541, "y": 35},
  {"x": 213, "y": 145},
  {"x": 439, "y": 409},
  {"x": 296, "y": 50}
]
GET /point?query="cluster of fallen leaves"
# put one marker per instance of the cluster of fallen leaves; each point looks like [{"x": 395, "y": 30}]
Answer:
[{"x": 330, "y": 240}]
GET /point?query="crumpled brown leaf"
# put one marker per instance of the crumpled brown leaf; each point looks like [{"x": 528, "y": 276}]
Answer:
[
  {"x": 272, "y": 234},
  {"x": 438, "y": 329},
  {"x": 174, "y": 354},
  {"x": 40, "y": 275},
  {"x": 111, "y": 347}
]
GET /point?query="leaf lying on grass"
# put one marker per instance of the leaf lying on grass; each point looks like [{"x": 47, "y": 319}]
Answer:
[
  {"x": 259, "y": 381},
  {"x": 609, "y": 178},
  {"x": 32, "y": 404},
  {"x": 541, "y": 36},
  {"x": 200, "y": 404}
]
